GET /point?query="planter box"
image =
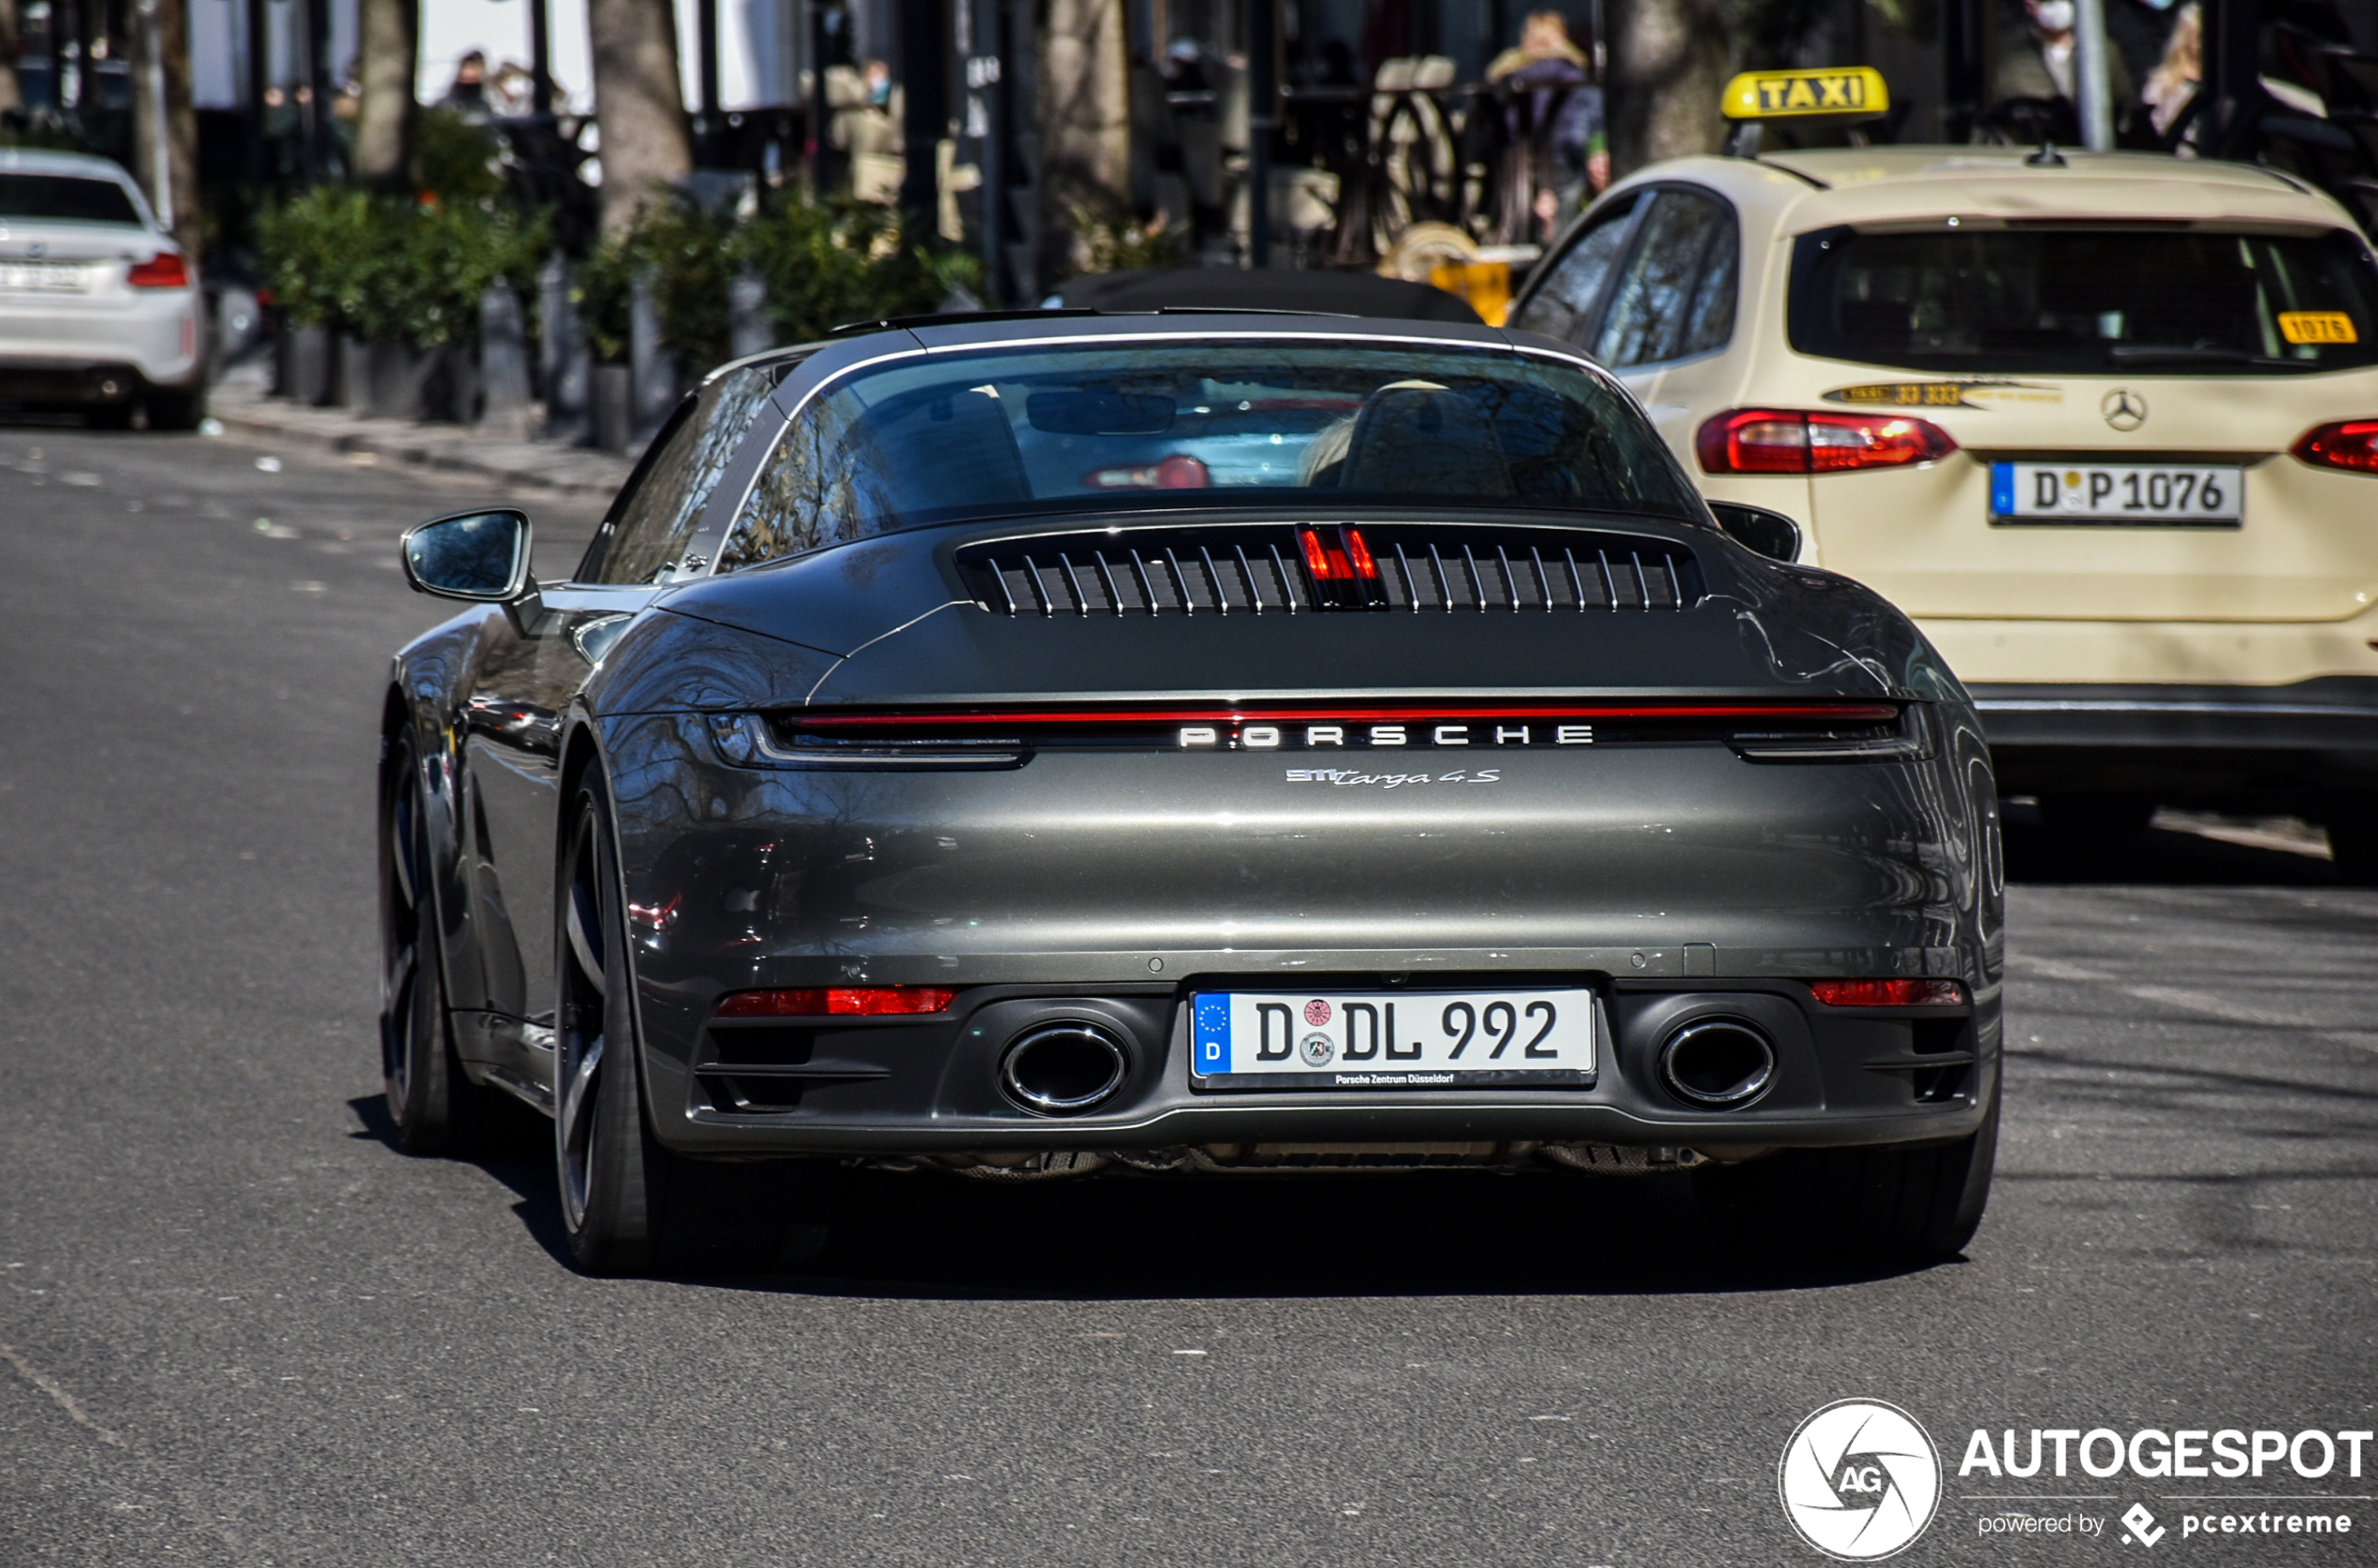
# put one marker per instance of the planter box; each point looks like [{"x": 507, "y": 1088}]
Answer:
[
  {"x": 614, "y": 410},
  {"x": 306, "y": 365},
  {"x": 396, "y": 376},
  {"x": 354, "y": 383}
]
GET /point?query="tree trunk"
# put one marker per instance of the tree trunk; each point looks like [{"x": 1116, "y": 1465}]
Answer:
[
  {"x": 11, "y": 95},
  {"x": 1085, "y": 128},
  {"x": 639, "y": 104},
  {"x": 165, "y": 126},
  {"x": 387, "y": 50},
  {"x": 1668, "y": 63}
]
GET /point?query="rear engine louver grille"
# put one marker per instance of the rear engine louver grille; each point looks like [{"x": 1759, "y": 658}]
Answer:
[{"x": 1267, "y": 570}]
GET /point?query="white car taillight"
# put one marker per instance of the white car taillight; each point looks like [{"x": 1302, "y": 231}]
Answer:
[{"x": 161, "y": 270}]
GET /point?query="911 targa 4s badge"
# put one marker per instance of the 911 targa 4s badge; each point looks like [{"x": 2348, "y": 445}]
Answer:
[{"x": 951, "y": 751}]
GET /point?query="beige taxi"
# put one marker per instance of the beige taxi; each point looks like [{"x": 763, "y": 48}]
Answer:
[{"x": 2105, "y": 425}]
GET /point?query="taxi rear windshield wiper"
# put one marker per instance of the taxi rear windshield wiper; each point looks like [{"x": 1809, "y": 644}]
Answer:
[{"x": 2186, "y": 353}]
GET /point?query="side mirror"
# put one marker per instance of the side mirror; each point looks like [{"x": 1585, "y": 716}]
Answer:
[
  {"x": 1758, "y": 530},
  {"x": 482, "y": 557}
]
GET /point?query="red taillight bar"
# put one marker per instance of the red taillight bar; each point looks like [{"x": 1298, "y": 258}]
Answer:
[
  {"x": 1819, "y": 441},
  {"x": 1887, "y": 994},
  {"x": 944, "y": 718},
  {"x": 866, "y": 1002},
  {"x": 1338, "y": 556}
]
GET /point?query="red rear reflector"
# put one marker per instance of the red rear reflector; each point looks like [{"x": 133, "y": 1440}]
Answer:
[
  {"x": 2349, "y": 444},
  {"x": 159, "y": 271},
  {"x": 1789, "y": 441},
  {"x": 1887, "y": 994},
  {"x": 836, "y": 1001}
]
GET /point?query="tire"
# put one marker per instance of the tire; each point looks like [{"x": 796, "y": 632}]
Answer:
[
  {"x": 2097, "y": 815},
  {"x": 1882, "y": 1203},
  {"x": 629, "y": 1205},
  {"x": 435, "y": 1106},
  {"x": 176, "y": 410}
]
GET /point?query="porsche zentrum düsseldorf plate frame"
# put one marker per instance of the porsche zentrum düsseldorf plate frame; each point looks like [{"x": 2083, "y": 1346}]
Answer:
[{"x": 1520, "y": 1038}]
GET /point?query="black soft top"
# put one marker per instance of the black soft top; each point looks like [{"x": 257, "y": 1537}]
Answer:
[{"x": 1227, "y": 289}]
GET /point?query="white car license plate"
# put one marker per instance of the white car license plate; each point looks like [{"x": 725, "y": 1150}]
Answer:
[
  {"x": 45, "y": 277},
  {"x": 1403, "y": 1040},
  {"x": 2100, "y": 493}
]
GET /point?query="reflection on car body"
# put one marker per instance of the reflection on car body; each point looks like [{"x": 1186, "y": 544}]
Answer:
[{"x": 936, "y": 802}]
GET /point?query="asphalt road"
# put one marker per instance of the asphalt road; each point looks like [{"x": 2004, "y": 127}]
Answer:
[{"x": 237, "y": 1327}]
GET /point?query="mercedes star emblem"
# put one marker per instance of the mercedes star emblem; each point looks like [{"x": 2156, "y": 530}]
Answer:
[{"x": 2123, "y": 409}]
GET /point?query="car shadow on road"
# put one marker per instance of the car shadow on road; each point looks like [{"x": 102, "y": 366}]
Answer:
[
  {"x": 933, "y": 1236},
  {"x": 516, "y": 1149},
  {"x": 2158, "y": 857},
  {"x": 1280, "y": 1235}
]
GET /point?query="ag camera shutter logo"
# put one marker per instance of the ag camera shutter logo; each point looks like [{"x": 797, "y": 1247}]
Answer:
[{"x": 1860, "y": 1480}]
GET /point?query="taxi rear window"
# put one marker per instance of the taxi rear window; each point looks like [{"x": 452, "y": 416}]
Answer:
[{"x": 2040, "y": 299}]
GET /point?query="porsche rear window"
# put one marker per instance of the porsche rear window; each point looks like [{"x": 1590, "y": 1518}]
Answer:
[
  {"x": 1143, "y": 426},
  {"x": 2075, "y": 300},
  {"x": 65, "y": 198}
]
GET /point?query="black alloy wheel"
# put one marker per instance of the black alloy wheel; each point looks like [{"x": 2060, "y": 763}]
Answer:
[
  {"x": 1885, "y": 1203},
  {"x": 435, "y": 1107},
  {"x": 628, "y": 1204}
]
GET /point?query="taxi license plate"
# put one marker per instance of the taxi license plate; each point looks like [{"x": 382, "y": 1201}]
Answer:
[
  {"x": 44, "y": 277},
  {"x": 1404, "y": 1040},
  {"x": 2050, "y": 493}
]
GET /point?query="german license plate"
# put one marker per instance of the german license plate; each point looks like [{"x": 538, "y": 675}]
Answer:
[
  {"x": 45, "y": 277},
  {"x": 2049, "y": 493},
  {"x": 1406, "y": 1040}
]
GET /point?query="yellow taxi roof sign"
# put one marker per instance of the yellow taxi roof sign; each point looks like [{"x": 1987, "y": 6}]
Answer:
[{"x": 1837, "y": 93}]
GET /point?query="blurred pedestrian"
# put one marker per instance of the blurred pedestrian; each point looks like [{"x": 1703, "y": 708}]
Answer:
[
  {"x": 511, "y": 92},
  {"x": 2042, "y": 65},
  {"x": 467, "y": 96},
  {"x": 2172, "y": 84},
  {"x": 1560, "y": 119}
]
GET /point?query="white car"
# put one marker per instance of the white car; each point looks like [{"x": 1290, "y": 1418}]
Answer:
[
  {"x": 98, "y": 307},
  {"x": 2105, "y": 425}
]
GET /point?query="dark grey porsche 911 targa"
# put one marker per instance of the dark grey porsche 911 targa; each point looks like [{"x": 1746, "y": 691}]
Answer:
[{"x": 1184, "y": 745}]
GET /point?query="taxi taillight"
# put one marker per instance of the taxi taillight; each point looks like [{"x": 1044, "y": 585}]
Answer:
[
  {"x": 1796, "y": 441},
  {"x": 2348, "y": 444}
]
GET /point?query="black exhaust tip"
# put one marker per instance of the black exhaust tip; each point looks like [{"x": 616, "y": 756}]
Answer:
[
  {"x": 1064, "y": 1069},
  {"x": 1718, "y": 1064}
]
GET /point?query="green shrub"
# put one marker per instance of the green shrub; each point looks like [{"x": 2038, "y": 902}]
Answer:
[
  {"x": 603, "y": 289},
  {"x": 318, "y": 250},
  {"x": 394, "y": 271},
  {"x": 828, "y": 262},
  {"x": 456, "y": 161},
  {"x": 688, "y": 253}
]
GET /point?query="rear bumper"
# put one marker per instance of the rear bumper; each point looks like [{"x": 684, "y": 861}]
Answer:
[
  {"x": 70, "y": 384},
  {"x": 58, "y": 355},
  {"x": 2309, "y": 736},
  {"x": 907, "y": 1086}
]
